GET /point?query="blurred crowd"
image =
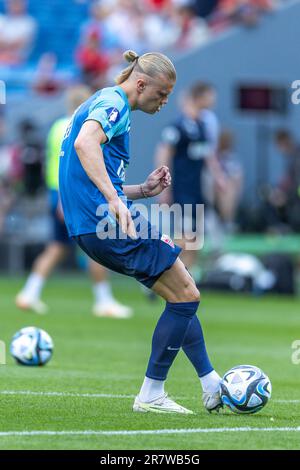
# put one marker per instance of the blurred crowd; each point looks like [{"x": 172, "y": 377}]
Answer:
[
  {"x": 113, "y": 26},
  {"x": 17, "y": 33},
  {"x": 156, "y": 25}
]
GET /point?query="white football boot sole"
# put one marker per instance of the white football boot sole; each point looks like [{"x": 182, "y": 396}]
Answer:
[{"x": 160, "y": 405}]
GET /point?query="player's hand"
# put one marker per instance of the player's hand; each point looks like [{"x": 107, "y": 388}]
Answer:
[
  {"x": 157, "y": 181},
  {"x": 123, "y": 216}
]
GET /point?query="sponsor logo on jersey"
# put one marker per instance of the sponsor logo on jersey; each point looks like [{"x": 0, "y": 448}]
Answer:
[
  {"x": 168, "y": 240},
  {"x": 113, "y": 115}
]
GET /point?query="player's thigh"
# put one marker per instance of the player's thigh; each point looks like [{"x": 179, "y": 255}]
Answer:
[{"x": 177, "y": 285}]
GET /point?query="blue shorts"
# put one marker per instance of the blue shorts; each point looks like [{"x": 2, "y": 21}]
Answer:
[
  {"x": 145, "y": 259},
  {"x": 59, "y": 229}
]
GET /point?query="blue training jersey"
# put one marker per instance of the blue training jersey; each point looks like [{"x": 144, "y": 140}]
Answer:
[{"x": 79, "y": 195}]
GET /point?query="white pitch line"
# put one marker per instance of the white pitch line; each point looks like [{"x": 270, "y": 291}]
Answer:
[
  {"x": 101, "y": 395},
  {"x": 286, "y": 401},
  {"x": 148, "y": 432},
  {"x": 63, "y": 394}
]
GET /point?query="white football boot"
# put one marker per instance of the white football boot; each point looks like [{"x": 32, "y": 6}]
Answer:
[
  {"x": 160, "y": 405},
  {"x": 112, "y": 310},
  {"x": 212, "y": 401},
  {"x": 24, "y": 302}
]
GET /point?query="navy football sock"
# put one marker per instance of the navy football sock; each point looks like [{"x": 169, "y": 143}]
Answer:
[
  {"x": 168, "y": 337},
  {"x": 194, "y": 347}
]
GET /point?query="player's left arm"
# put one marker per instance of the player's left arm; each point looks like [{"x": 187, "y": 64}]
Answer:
[
  {"x": 212, "y": 161},
  {"x": 156, "y": 182},
  {"x": 216, "y": 171}
]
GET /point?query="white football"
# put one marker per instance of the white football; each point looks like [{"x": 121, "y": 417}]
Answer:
[
  {"x": 245, "y": 389},
  {"x": 31, "y": 346}
]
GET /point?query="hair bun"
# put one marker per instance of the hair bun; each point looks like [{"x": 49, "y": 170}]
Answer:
[{"x": 130, "y": 56}]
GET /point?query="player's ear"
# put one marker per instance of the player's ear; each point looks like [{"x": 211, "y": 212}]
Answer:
[{"x": 140, "y": 85}]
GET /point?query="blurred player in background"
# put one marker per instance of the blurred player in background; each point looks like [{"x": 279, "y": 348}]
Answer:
[
  {"x": 30, "y": 297},
  {"x": 94, "y": 155},
  {"x": 283, "y": 207},
  {"x": 188, "y": 148},
  {"x": 228, "y": 197}
]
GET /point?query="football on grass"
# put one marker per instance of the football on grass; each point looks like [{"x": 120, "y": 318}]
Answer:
[
  {"x": 245, "y": 389},
  {"x": 31, "y": 346}
]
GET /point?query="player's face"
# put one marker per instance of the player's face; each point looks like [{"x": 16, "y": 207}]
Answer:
[
  {"x": 207, "y": 100},
  {"x": 153, "y": 94}
]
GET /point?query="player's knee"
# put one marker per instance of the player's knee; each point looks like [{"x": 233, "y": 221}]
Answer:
[
  {"x": 195, "y": 294},
  {"x": 190, "y": 292}
]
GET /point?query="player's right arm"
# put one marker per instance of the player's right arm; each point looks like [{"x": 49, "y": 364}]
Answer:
[{"x": 88, "y": 148}]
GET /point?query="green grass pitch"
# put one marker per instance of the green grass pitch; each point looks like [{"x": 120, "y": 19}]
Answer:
[{"x": 82, "y": 399}]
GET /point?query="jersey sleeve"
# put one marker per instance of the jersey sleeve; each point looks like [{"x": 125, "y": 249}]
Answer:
[
  {"x": 212, "y": 127},
  {"x": 108, "y": 113}
]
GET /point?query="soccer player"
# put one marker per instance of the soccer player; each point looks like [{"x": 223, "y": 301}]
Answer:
[
  {"x": 30, "y": 296},
  {"x": 94, "y": 155},
  {"x": 187, "y": 148}
]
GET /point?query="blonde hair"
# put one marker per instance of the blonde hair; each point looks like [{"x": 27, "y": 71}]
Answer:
[{"x": 151, "y": 64}]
